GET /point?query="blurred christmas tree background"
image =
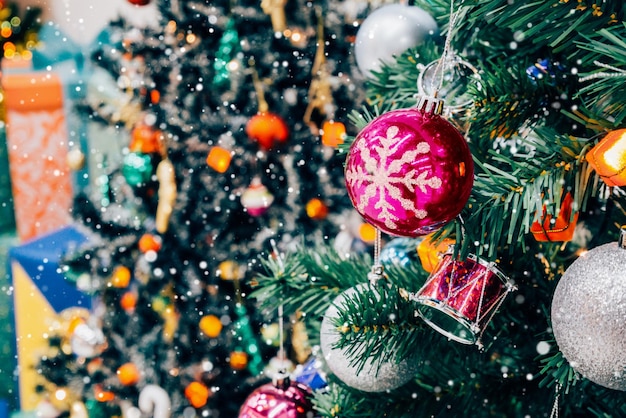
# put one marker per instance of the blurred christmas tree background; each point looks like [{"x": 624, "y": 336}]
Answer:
[{"x": 232, "y": 158}]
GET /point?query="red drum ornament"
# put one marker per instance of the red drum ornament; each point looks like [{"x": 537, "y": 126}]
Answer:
[
  {"x": 410, "y": 171},
  {"x": 459, "y": 298}
]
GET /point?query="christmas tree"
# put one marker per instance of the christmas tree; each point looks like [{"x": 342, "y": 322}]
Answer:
[
  {"x": 510, "y": 303},
  {"x": 234, "y": 111}
]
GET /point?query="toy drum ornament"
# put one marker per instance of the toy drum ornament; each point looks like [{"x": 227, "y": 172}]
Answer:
[{"x": 459, "y": 298}]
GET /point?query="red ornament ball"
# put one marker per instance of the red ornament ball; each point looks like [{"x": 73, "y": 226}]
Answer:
[
  {"x": 267, "y": 129},
  {"x": 139, "y": 2},
  {"x": 409, "y": 172},
  {"x": 284, "y": 399}
]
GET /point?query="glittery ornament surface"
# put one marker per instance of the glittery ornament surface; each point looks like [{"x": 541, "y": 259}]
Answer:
[
  {"x": 374, "y": 377},
  {"x": 588, "y": 316},
  {"x": 390, "y": 30},
  {"x": 409, "y": 172},
  {"x": 291, "y": 400}
]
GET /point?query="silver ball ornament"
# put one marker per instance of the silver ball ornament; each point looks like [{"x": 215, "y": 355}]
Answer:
[
  {"x": 588, "y": 312},
  {"x": 388, "y": 31},
  {"x": 374, "y": 377}
]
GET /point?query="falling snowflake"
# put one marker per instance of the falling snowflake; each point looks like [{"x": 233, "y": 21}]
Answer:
[{"x": 382, "y": 175}]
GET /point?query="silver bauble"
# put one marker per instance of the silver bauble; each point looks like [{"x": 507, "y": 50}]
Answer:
[
  {"x": 374, "y": 377},
  {"x": 588, "y": 315},
  {"x": 388, "y": 31}
]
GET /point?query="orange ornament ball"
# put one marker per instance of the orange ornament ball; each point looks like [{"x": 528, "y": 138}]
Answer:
[
  {"x": 128, "y": 374},
  {"x": 121, "y": 277},
  {"x": 219, "y": 159},
  {"x": 333, "y": 133},
  {"x": 316, "y": 209},
  {"x": 149, "y": 242},
  {"x": 210, "y": 325},
  {"x": 102, "y": 395},
  {"x": 238, "y": 360},
  {"x": 197, "y": 394},
  {"x": 267, "y": 129},
  {"x": 128, "y": 301},
  {"x": 145, "y": 138},
  {"x": 367, "y": 233}
]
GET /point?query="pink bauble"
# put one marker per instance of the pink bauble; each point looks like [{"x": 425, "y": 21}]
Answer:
[
  {"x": 285, "y": 400},
  {"x": 256, "y": 198},
  {"x": 409, "y": 172}
]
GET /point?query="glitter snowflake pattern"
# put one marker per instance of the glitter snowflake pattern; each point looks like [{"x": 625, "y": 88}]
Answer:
[{"x": 382, "y": 175}]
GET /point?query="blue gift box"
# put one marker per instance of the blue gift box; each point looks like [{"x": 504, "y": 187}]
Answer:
[{"x": 40, "y": 293}]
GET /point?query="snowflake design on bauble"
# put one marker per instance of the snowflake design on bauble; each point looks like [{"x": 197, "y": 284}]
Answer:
[{"x": 382, "y": 175}]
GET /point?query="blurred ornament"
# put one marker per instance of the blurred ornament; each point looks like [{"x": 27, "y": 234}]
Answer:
[
  {"x": 282, "y": 398},
  {"x": 276, "y": 10},
  {"x": 608, "y": 158},
  {"x": 267, "y": 129},
  {"x": 316, "y": 209},
  {"x": 311, "y": 374},
  {"x": 139, "y": 2},
  {"x": 277, "y": 365},
  {"x": 247, "y": 338},
  {"x": 431, "y": 251},
  {"x": 333, "y": 133},
  {"x": 388, "y": 32},
  {"x": 227, "y": 49},
  {"x": 75, "y": 159},
  {"x": 399, "y": 251},
  {"x": 128, "y": 301},
  {"x": 271, "y": 334},
  {"x": 137, "y": 168},
  {"x": 546, "y": 70},
  {"x": 367, "y": 233},
  {"x": 256, "y": 198},
  {"x": 409, "y": 171},
  {"x": 459, "y": 298},
  {"x": 211, "y": 326},
  {"x": 128, "y": 374},
  {"x": 197, "y": 394},
  {"x": 229, "y": 270},
  {"x": 155, "y": 96},
  {"x": 559, "y": 229},
  {"x": 149, "y": 242},
  {"x": 78, "y": 410},
  {"x": 155, "y": 401},
  {"x": 238, "y": 360},
  {"x": 121, "y": 277},
  {"x": 102, "y": 395},
  {"x": 374, "y": 376},
  {"x": 219, "y": 159},
  {"x": 45, "y": 409},
  {"x": 146, "y": 139},
  {"x": 300, "y": 339},
  {"x": 167, "y": 194},
  {"x": 87, "y": 339},
  {"x": 170, "y": 322},
  {"x": 588, "y": 314}
]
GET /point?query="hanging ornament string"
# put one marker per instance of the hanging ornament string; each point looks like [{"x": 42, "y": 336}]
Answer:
[
  {"x": 281, "y": 331},
  {"x": 446, "y": 50},
  {"x": 555, "y": 408},
  {"x": 377, "y": 269}
]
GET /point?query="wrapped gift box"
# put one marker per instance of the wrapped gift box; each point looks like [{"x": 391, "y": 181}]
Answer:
[
  {"x": 40, "y": 293},
  {"x": 37, "y": 149}
]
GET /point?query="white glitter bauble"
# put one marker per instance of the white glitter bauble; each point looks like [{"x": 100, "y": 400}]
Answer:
[
  {"x": 588, "y": 315},
  {"x": 388, "y": 31},
  {"x": 373, "y": 377}
]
